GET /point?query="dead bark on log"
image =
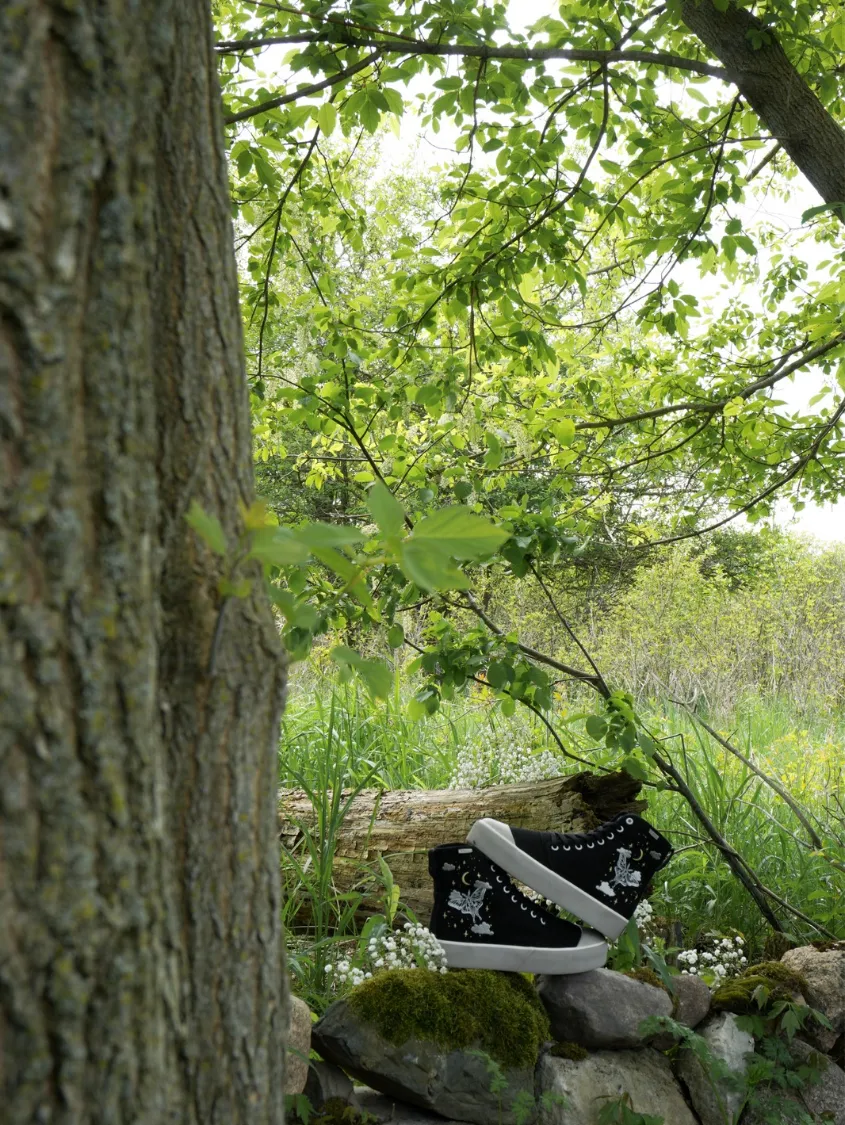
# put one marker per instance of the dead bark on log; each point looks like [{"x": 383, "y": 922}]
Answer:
[{"x": 401, "y": 825}]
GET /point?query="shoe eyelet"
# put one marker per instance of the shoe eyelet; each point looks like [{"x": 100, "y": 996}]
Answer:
[
  {"x": 591, "y": 845},
  {"x": 579, "y": 847},
  {"x": 514, "y": 898},
  {"x": 522, "y": 906},
  {"x": 566, "y": 848},
  {"x": 533, "y": 915},
  {"x": 554, "y": 849},
  {"x": 629, "y": 820},
  {"x": 601, "y": 841},
  {"x": 542, "y": 921}
]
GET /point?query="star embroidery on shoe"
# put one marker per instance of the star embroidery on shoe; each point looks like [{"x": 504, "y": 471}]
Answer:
[
  {"x": 470, "y": 903},
  {"x": 623, "y": 876}
]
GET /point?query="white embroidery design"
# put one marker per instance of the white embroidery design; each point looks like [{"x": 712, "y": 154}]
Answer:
[
  {"x": 470, "y": 903},
  {"x": 482, "y": 928},
  {"x": 623, "y": 876}
]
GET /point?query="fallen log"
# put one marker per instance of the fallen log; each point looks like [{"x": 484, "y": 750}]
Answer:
[{"x": 400, "y": 826}]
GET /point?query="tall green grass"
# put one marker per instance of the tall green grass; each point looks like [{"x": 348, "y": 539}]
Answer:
[{"x": 337, "y": 739}]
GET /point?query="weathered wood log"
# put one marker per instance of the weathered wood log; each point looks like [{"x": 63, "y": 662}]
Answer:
[{"x": 401, "y": 825}]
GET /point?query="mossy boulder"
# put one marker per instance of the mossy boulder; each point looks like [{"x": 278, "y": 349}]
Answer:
[
  {"x": 779, "y": 981},
  {"x": 464, "y": 1044},
  {"x": 498, "y": 1012}
]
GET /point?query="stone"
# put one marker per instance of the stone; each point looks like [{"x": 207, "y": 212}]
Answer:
[
  {"x": 325, "y": 1081},
  {"x": 715, "y": 1102},
  {"x": 824, "y": 971},
  {"x": 454, "y": 1083},
  {"x": 297, "y": 1046},
  {"x": 692, "y": 1000},
  {"x": 601, "y": 1009},
  {"x": 824, "y": 1096},
  {"x": 386, "y": 1109},
  {"x": 575, "y": 1092}
]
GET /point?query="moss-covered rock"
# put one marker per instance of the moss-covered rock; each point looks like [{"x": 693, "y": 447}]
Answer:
[
  {"x": 498, "y": 1012},
  {"x": 572, "y": 1051},
  {"x": 647, "y": 976},
  {"x": 781, "y": 982}
]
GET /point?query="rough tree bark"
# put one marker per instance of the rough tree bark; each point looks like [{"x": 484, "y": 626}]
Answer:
[
  {"x": 775, "y": 91},
  {"x": 140, "y": 954}
]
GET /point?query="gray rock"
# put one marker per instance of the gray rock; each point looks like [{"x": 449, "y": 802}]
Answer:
[
  {"x": 601, "y": 1008},
  {"x": 825, "y": 973},
  {"x": 826, "y": 1095},
  {"x": 297, "y": 1046},
  {"x": 455, "y": 1084},
  {"x": 692, "y": 1000},
  {"x": 391, "y": 1111},
  {"x": 325, "y": 1081},
  {"x": 574, "y": 1093},
  {"x": 715, "y": 1102}
]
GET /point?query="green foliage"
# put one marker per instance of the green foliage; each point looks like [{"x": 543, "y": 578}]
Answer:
[
  {"x": 520, "y": 332},
  {"x": 498, "y": 1012}
]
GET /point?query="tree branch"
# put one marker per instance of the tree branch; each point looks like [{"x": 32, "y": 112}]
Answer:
[
  {"x": 716, "y": 407},
  {"x": 479, "y": 51},
  {"x": 302, "y": 92}
]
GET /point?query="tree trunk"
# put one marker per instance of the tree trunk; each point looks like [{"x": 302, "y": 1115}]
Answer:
[
  {"x": 400, "y": 826},
  {"x": 775, "y": 91},
  {"x": 140, "y": 954}
]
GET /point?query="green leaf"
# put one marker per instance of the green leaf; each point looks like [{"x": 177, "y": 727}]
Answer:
[
  {"x": 328, "y": 535},
  {"x": 460, "y": 533},
  {"x": 327, "y": 118},
  {"x": 238, "y": 589},
  {"x": 385, "y": 509},
  {"x": 416, "y": 709},
  {"x": 507, "y": 706},
  {"x": 499, "y": 674},
  {"x": 647, "y": 744},
  {"x": 395, "y": 636},
  {"x": 277, "y": 546},
  {"x": 377, "y": 676},
  {"x": 208, "y": 528},
  {"x": 430, "y": 568},
  {"x": 596, "y": 726},
  {"x": 634, "y": 767}
]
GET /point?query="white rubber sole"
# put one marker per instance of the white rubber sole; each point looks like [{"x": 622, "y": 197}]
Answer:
[
  {"x": 590, "y": 953},
  {"x": 496, "y": 841}
]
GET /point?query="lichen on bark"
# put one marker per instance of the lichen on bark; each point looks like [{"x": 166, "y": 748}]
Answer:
[{"x": 140, "y": 951}]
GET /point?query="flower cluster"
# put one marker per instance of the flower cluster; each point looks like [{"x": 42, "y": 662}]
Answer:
[
  {"x": 346, "y": 974},
  {"x": 408, "y": 948},
  {"x": 726, "y": 958},
  {"x": 412, "y": 946},
  {"x": 644, "y": 914},
  {"x": 479, "y": 764}
]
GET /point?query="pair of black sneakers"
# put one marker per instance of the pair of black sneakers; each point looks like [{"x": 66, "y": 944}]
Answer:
[{"x": 483, "y": 921}]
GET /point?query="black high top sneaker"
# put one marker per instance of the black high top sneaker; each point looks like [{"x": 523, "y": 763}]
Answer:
[
  {"x": 600, "y": 876},
  {"x": 483, "y": 921}
]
